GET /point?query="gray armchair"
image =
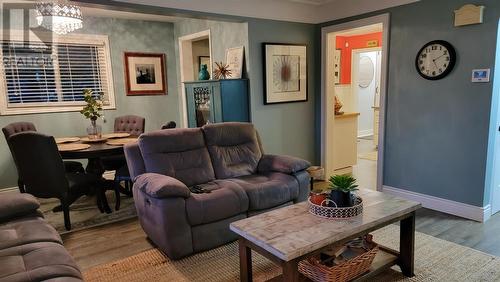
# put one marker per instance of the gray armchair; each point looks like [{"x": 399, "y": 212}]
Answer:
[{"x": 224, "y": 160}]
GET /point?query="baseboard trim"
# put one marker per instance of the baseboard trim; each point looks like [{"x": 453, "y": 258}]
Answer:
[
  {"x": 9, "y": 190},
  {"x": 480, "y": 214}
]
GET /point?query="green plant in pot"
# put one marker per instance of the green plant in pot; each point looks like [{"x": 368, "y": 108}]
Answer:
[
  {"x": 92, "y": 110},
  {"x": 341, "y": 188}
]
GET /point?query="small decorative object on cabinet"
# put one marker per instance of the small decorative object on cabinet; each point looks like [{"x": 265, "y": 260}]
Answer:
[
  {"x": 234, "y": 59},
  {"x": 203, "y": 74},
  {"x": 222, "y": 71},
  {"x": 213, "y": 101}
]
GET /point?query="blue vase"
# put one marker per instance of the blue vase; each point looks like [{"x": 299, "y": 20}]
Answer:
[{"x": 203, "y": 74}]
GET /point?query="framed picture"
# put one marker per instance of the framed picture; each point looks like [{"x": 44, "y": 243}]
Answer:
[
  {"x": 204, "y": 60},
  {"x": 234, "y": 58},
  {"x": 145, "y": 74},
  {"x": 481, "y": 75},
  {"x": 285, "y": 73}
]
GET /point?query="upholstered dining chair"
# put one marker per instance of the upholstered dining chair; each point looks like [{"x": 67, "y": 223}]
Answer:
[
  {"x": 17, "y": 127},
  {"x": 43, "y": 173},
  {"x": 134, "y": 125}
]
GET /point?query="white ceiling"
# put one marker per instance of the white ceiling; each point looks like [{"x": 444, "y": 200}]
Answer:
[{"x": 307, "y": 11}]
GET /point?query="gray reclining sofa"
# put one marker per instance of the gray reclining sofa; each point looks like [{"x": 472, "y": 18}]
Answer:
[
  {"x": 31, "y": 249},
  {"x": 225, "y": 159}
]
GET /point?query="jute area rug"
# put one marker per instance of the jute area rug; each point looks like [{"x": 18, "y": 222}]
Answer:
[{"x": 435, "y": 260}]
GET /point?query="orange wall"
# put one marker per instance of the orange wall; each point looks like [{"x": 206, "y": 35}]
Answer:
[{"x": 354, "y": 42}]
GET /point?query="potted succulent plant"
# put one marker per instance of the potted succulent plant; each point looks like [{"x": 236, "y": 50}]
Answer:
[{"x": 341, "y": 188}]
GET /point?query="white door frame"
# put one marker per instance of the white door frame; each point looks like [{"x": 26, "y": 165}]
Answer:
[
  {"x": 186, "y": 67},
  {"x": 493, "y": 151},
  {"x": 327, "y": 111},
  {"x": 354, "y": 75}
]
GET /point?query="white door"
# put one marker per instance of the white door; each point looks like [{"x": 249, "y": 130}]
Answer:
[{"x": 364, "y": 85}]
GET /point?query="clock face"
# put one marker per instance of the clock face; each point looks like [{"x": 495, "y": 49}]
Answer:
[{"x": 435, "y": 60}]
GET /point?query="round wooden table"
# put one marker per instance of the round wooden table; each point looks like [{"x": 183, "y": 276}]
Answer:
[{"x": 94, "y": 154}]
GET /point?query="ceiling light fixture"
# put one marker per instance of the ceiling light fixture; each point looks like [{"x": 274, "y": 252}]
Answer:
[{"x": 59, "y": 16}]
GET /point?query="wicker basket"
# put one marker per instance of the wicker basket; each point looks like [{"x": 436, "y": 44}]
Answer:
[
  {"x": 314, "y": 270},
  {"x": 331, "y": 212}
]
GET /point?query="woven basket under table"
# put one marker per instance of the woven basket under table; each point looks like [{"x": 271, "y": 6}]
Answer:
[{"x": 347, "y": 271}]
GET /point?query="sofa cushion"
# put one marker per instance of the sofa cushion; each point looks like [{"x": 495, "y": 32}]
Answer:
[
  {"x": 14, "y": 204},
  {"x": 234, "y": 148},
  {"x": 37, "y": 262},
  {"x": 27, "y": 230},
  {"x": 226, "y": 199},
  {"x": 267, "y": 190},
  {"x": 179, "y": 153}
]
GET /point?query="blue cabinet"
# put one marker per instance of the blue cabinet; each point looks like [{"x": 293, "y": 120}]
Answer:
[{"x": 213, "y": 101}]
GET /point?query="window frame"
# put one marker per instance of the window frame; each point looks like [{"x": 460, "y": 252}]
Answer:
[{"x": 55, "y": 107}]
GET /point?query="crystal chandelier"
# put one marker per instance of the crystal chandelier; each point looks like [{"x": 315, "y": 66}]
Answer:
[{"x": 60, "y": 16}]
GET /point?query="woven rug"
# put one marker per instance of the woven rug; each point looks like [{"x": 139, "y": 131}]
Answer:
[
  {"x": 85, "y": 214},
  {"x": 435, "y": 260}
]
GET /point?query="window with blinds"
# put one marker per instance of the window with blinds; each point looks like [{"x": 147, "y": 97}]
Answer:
[{"x": 48, "y": 77}]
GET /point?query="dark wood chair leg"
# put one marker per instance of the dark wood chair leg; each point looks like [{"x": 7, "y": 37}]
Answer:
[
  {"x": 117, "y": 196},
  {"x": 99, "y": 202},
  {"x": 65, "y": 208},
  {"x": 20, "y": 184},
  {"x": 104, "y": 200}
]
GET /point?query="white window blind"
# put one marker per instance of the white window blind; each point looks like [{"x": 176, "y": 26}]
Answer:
[{"x": 42, "y": 77}]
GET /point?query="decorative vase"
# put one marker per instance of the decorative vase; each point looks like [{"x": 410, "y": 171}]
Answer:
[
  {"x": 317, "y": 198},
  {"x": 338, "y": 105},
  {"x": 341, "y": 199},
  {"x": 94, "y": 131},
  {"x": 203, "y": 74}
]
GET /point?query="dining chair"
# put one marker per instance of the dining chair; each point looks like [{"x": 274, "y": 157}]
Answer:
[
  {"x": 169, "y": 125},
  {"x": 134, "y": 125},
  {"x": 43, "y": 173},
  {"x": 17, "y": 127}
]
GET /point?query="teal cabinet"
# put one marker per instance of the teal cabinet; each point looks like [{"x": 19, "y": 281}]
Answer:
[{"x": 213, "y": 101}]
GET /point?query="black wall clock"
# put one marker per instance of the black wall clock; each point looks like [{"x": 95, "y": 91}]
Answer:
[{"x": 435, "y": 60}]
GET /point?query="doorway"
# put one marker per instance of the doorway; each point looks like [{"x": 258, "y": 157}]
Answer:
[
  {"x": 195, "y": 51},
  {"x": 354, "y": 71},
  {"x": 492, "y": 183}
]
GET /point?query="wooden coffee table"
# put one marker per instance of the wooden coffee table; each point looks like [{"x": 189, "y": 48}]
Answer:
[{"x": 291, "y": 234}]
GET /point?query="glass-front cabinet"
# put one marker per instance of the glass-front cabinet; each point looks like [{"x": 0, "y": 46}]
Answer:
[{"x": 215, "y": 101}]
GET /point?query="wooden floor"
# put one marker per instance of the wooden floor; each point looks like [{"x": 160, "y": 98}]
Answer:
[{"x": 114, "y": 241}]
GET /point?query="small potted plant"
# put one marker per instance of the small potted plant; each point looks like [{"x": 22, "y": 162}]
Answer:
[
  {"x": 92, "y": 110},
  {"x": 341, "y": 188}
]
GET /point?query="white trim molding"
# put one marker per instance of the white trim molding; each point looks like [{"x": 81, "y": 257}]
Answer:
[{"x": 476, "y": 213}]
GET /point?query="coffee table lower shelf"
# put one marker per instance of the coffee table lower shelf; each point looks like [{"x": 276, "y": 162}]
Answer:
[{"x": 384, "y": 259}]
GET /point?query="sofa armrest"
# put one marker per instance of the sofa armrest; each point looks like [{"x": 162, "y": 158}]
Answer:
[
  {"x": 14, "y": 205},
  {"x": 284, "y": 164},
  {"x": 161, "y": 186}
]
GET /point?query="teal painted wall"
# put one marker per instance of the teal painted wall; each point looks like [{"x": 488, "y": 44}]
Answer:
[
  {"x": 437, "y": 131},
  {"x": 284, "y": 128},
  {"x": 124, "y": 35}
]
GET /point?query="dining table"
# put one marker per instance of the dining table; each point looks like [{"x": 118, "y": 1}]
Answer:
[{"x": 94, "y": 151}]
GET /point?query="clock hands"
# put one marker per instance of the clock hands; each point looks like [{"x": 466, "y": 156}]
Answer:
[{"x": 435, "y": 59}]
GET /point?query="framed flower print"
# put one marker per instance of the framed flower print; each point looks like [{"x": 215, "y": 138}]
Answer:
[{"x": 285, "y": 73}]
